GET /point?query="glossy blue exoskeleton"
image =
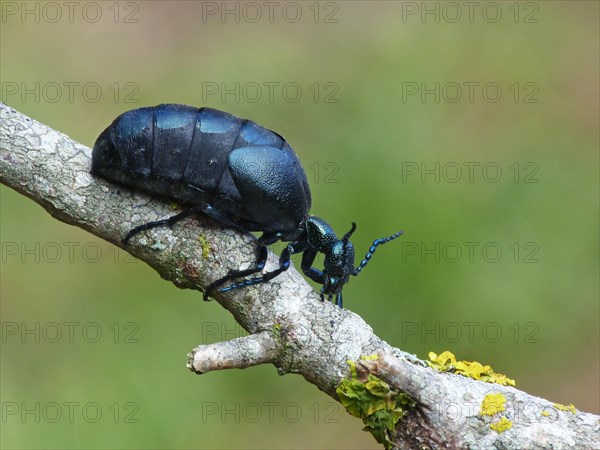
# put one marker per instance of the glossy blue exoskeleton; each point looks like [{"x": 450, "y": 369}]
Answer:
[{"x": 237, "y": 173}]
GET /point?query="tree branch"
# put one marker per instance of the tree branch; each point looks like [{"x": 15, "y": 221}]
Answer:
[
  {"x": 239, "y": 353},
  {"x": 289, "y": 326}
]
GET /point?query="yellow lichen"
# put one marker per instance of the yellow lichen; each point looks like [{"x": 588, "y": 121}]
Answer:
[
  {"x": 570, "y": 408},
  {"x": 204, "y": 245},
  {"x": 492, "y": 404},
  {"x": 446, "y": 362},
  {"x": 545, "y": 413},
  {"x": 502, "y": 425},
  {"x": 443, "y": 361},
  {"x": 379, "y": 405}
]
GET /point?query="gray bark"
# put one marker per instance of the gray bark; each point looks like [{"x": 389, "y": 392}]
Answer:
[{"x": 289, "y": 326}]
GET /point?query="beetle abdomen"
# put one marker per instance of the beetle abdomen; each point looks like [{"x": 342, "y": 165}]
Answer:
[{"x": 184, "y": 153}]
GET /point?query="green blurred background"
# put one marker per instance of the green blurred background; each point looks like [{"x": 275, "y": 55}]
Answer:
[{"x": 531, "y": 312}]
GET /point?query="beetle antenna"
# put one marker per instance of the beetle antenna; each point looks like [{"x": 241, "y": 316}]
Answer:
[
  {"x": 346, "y": 237},
  {"x": 369, "y": 254}
]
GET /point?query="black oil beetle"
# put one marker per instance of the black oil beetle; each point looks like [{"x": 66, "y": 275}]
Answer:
[{"x": 237, "y": 173}]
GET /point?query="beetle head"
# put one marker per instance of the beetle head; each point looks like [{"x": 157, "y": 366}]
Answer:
[{"x": 338, "y": 266}]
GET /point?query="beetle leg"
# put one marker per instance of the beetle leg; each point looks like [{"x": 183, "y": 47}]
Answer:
[
  {"x": 261, "y": 259},
  {"x": 339, "y": 300},
  {"x": 284, "y": 264},
  {"x": 308, "y": 257},
  {"x": 161, "y": 223},
  {"x": 267, "y": 238},
  {"x": 220, "y": 217},
  {"x": 316, "y": 275}
]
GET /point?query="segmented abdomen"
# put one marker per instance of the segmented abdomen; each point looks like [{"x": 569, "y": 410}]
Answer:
[{"x": 177, "y": 150}]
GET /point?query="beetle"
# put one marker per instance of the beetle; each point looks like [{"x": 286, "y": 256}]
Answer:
[{"x": 237, "y": 173}]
